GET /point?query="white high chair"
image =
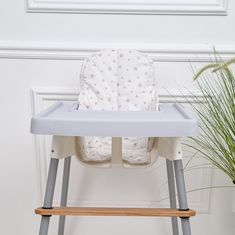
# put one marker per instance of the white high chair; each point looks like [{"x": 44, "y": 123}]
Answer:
[{"x": 117, "y": 99}]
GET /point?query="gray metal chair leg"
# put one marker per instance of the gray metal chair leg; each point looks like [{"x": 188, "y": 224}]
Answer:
[
  {"x": 50, "y": 188},
  {"x": 64, "y": 194},
  {"x": 171, "y": 186},
  {"x": 181, "y": 189}
]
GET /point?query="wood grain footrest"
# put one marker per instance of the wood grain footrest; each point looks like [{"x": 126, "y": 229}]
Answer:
[{"x": 108, "y": 211}]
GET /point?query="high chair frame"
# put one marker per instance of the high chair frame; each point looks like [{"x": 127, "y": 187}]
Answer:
[
  {"x": 118, "y": 98},
  {"x": 172, "y": 122},
  {"x": 175, "y": 176}
]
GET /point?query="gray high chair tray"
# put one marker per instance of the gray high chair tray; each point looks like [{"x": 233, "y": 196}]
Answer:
[{"x": 67, "y": 120}]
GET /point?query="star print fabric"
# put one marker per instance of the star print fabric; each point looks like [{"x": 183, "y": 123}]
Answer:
[{"x": 117, "y": 80}]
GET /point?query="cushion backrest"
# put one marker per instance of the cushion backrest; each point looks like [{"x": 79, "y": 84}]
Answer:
[{"x": 117, "y": 80}]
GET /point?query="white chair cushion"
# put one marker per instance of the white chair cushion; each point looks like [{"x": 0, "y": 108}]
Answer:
[{"x": 117, "y": 80}]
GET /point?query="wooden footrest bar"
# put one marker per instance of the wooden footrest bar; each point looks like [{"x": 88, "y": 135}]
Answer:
[{"x": 108, "y": 211}]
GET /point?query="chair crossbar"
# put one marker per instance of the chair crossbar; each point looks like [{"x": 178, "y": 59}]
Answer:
[{"x": 113, "y": 211}]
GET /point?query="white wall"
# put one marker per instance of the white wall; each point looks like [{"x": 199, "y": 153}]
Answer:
[{"x": 43, "y": 52}]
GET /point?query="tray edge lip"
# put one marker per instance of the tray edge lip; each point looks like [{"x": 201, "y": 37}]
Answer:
[{"x": 40, "y": 118}]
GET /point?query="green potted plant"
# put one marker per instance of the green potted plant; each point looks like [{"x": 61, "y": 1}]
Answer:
[{"x": 216, "y": 115}]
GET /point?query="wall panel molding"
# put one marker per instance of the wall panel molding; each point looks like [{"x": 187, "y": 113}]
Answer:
[
  {"x": 79, "y": 51},
  {"x": 42, "y": 96},
  {"x": 170, "y": 7}
]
